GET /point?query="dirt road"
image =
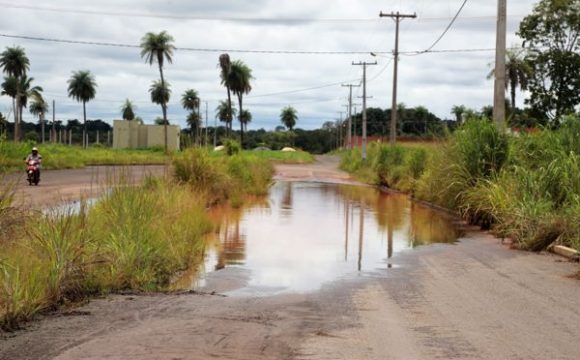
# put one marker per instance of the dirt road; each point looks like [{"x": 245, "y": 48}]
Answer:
[
  {"x": 473, "y": 300},
  {"x": 58, "y": 186}
]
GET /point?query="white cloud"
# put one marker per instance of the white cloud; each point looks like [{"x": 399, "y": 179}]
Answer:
[{"x": 437, "y": 81}]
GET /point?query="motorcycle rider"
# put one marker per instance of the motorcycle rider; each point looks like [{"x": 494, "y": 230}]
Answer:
[{"x": 36, "y": 157}]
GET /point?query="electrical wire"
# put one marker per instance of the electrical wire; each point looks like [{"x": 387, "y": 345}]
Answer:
[
  {"x": 444, "y": 31},
  {"x": 190, "y": 49}
]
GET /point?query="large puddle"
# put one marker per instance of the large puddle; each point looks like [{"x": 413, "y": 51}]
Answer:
[{"x": 304, "y": 235}]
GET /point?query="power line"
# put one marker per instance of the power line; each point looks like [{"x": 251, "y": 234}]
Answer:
[
  {"x": 207, "y": 50},
  {"x": 444, "y": 31}
]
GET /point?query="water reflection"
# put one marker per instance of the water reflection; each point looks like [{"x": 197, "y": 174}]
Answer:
[{"x": 306, "y": 234}]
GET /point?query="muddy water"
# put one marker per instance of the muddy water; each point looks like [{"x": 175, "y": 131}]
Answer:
[{"x": 307, "y": 234}]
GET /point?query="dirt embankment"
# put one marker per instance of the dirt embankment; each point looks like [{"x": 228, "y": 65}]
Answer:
[{"x": 473, "y": 300}]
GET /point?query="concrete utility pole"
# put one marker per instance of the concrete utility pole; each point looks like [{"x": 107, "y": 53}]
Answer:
[
  {"x": 364, "y": 124},
  {"x": 206, "y": 124},
  {"x": 349, "y": 132},
  {"x": 499, "y": 72},
  {"x": 397, "y": 17},
  {"x": 53, "y": 135}
]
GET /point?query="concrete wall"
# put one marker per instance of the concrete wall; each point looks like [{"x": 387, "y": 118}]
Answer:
[{"x": 131, "y": 134}]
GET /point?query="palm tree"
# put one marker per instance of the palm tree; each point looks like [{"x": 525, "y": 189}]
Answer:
[
  {"x": 160, "y": 94},
  {"x": 2, "y": 125},
  {"x": 190, "y": 102},
  {"x": 82, "y": 87},
  {"x": 156, "y": 48},
  {"x": 517, "y": 72},
  {"x": 10, "y": 88},
  {"x": 128, "y": 110},
  {"x": 458, "y": 111},
  {"x": 239, "y": 82},
  {"x": 39, "y": 107},
  {"x": 222, "y": 112},
  {"x": 288, "y": 117},
  {"x": 15, "y": 63},
  {"x": 246, "y": 118},
  {"x": 226, "y": 67}
]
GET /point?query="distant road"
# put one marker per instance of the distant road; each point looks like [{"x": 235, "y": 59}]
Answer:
[{"x": 58, "y": 186}]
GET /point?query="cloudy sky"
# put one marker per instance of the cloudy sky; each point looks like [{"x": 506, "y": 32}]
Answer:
[{"x": 436, "y": 80}]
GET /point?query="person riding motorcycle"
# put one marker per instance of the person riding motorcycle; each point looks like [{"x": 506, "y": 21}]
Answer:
[{"x": 36, "y": 158}]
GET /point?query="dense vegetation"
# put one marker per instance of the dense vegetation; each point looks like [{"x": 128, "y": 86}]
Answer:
[
  {"x": 134, "y": 238},
  {"x": 525, "y": 187}
]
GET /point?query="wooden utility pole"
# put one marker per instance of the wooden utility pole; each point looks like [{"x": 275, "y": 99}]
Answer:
[
  {"x": 349, "y": 131},
  {"x": 364, "y": 121},
  {"x": 397, "y": 17},
  {"x": 499, "y": 72}
]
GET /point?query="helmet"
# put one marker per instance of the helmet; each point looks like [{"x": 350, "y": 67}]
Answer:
[{"x": 35, "y": 149}]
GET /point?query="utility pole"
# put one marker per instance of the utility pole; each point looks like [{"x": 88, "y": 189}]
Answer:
[
  {"x": 53, "y": 120},
  {"x": 349, "y": 133},
  {"x": 499, "y": 72},
  {"x": 206, "y": 124},
  {"x": 364, "y": 64},
  {"x": 397, "y": 17}
]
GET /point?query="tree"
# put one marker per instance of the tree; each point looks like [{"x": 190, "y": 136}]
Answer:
[
  {"x": 3, "y": 126},
  {"x": 288, "y": 117},
  {"x": 156, "y": 48},
  {"x": 518, "y": 72},
  {"x": 190, "y": 101},
  {"x": 239, "y": 82},
  {"x": 222, "y": 112},
  {"x": 15, "y": 63},
  {"x": 246, "y": 118},
  {"x": 128, "y": 110},
  {"x": 39, "y": 107},
  {"x": 82, "y": 87},
  {"x": 552, "y": 39},
  {"x": 226, "y": 67},
  {"x": 10, "y": 88},
  {"x": 458, "y": 111},
  {"x": 160, "y": 94}
]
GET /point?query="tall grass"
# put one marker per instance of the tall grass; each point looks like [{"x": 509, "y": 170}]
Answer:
[
  {"x": 57, "y": 156},
  {"x": 223, "y": 177},
  {"x": 134, "y": 238},
  {"x": 525, "y": 187}
]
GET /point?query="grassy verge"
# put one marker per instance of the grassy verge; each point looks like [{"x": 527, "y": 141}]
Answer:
[
  {"x": 298, "y": 157},
  {"x": 68, "y": 157},
  {"x": 525, "y": 187},
  {"x": 134, "y": 238}
]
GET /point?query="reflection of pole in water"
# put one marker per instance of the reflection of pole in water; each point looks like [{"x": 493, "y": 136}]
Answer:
[
  {"x": 360, "y": 237},
  {"x": 346, "y": 211},
  {"x": 390, "y": 243}
]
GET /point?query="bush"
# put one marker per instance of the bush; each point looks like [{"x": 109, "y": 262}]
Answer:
[{"x": 232, "y": 147}]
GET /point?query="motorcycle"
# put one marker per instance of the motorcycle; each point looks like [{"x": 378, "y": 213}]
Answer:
[{"x": 33, "y": 172}]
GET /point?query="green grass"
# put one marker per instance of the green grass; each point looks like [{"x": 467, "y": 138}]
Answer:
[
  {"x": 298, "y": 157},
  {"x": 134, "y": 238},
  {"x": 12, "y": 156},
  {"x": 524, "y": 187}
]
